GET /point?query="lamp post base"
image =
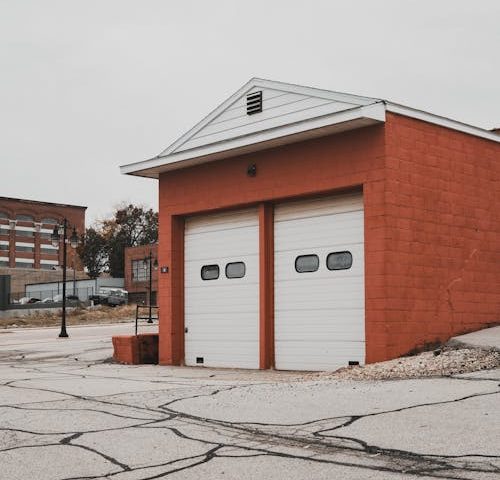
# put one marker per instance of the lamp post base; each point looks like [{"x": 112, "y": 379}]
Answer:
[{"x": 63, "y": 335}]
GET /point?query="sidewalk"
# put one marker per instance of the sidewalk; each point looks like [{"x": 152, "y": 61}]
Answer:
[{"x": 489, "y": 338}]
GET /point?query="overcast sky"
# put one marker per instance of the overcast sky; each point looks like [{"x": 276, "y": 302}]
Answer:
[{"x": 88, "y": 85}]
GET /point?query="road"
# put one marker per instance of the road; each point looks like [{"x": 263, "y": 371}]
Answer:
[{"x": 67, "y": 413}]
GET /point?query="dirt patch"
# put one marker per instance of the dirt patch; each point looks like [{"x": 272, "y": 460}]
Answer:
[
  {"x": 79, "y": 316},
  {"x": 438, "y": 363}
]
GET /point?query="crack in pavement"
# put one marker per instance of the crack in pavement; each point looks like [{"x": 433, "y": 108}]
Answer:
[{"x": 314, "y": 441}]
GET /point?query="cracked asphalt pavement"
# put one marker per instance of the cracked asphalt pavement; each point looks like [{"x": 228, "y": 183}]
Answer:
[{"x": 67, "y": 413}]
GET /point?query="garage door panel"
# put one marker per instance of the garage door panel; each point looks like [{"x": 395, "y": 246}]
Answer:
[
  {"x": 356, "y": 249},
  {"x": 242, "y": 243},
  {"x": 221, "y": 327},
  {"x": 320, "y": 303},
  {"x": 318, "y": 359},
  {"x": 285, "y": 269},
  {"x": 226, "y": 354},
  {"x": 341, "y": 282},
  {"x": 193, "y": 278},
  {"x": 338, "y": 329},
  {"x": 221, "y": 315},
  {"x": 330, "y": 233},
  {"x": 221, "y": 221},
  {"x": 320, "y": 206},
  {"x": 202, "y": 306},
  {"x": 319, "y": 315}
]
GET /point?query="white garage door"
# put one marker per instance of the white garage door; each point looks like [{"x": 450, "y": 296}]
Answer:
[
  {"x": 319, "y": 283},
  {"x": 222, "y": 290}
]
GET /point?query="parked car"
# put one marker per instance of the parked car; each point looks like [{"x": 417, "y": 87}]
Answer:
[
  {"x": 59, "y": 297},
  {"x": 26, "y": 300},
  {"x": 110, "y": 296}
]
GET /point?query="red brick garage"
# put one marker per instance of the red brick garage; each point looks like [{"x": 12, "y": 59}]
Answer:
[{"x": 429, "y": 188}]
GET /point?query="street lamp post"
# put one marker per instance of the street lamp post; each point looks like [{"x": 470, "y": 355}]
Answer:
[
  {"x": 62, "y": 230},
  {"x": 148, "y": 261}
]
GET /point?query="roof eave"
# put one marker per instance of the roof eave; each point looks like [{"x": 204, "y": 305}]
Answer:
[
  {"x": 311, "y": 128},
  {"x": 442, "y": 121}
]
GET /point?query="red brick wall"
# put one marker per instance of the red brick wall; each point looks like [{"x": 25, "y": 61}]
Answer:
[
  {"x": 443, "y": 233},
  {"x": 40, "y": 210},
  {"x": 139, "y": 253},
  {"x": 350, "y": 160}
]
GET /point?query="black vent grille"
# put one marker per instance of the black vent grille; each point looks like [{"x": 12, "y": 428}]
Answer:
[{"x": 254, "y": 102}]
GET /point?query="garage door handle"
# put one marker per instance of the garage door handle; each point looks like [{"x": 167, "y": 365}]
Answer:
[{"x": 186, "y": 330}]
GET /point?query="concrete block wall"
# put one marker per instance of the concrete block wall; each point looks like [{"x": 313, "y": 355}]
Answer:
[{"x": 442, "y": 235}]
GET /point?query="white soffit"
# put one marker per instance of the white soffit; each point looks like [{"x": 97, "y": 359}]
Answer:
[{"x": 290, "y": 113}]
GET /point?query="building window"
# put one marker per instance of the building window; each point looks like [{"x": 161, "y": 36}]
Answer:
[
  {"x": 4, "y": 263},
  {"x": 24, "y": 248},
  {"x": 235, "y": 270},
  {"x": 306, "y": 263},
  {"x": 48, "y": 251},
  {"x": 25, "y": 218},
  {"x": 45, "y": 266},
  {"x": 24, "y": 265},
  {"x": 4, "y": 246},
  {"x": 140, "y": 270},
  {"x": 25, "y": 233},
  {"x": 3, "y": 215},
  {"x": 4, "y": 230},
  {"x": 49, "y": 221},
  {"x": 339, "y": 261},
  {"x": 210, "y": 272}
]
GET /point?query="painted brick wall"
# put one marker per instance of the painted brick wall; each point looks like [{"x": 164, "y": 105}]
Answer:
[
  {"x": 443, "y": 233},
  {"x": 352, "y": 159}
]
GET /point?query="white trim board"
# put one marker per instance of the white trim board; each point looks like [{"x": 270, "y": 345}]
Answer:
[
  {"x": 298, "y": 113},
  {"x": 442, "y": 121}
]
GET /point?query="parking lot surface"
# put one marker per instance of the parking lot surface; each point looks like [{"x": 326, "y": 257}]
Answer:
[{"x": 66, "y": 412}]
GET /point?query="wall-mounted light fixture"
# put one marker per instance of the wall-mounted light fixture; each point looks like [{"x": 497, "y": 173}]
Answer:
[{"x": 252, "y": 170}]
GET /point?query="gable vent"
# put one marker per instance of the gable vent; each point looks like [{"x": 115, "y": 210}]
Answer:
[{"x": 254, "y": 102}]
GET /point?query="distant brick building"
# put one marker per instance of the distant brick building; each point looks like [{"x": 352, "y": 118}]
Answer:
[
  {"x": 137, "y": 273},
  {"x": 25, "y": 230}
]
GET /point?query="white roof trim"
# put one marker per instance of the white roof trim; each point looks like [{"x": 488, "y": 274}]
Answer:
[
  {"x": 345, "y": 120},
  {"x": 365, "y": 111},
  {"x": 442, "y": 121}
]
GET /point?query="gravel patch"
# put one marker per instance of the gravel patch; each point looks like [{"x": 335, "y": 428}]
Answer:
[{"x": 438, "y": 363}]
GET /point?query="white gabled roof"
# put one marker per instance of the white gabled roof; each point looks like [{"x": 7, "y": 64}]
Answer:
[{"x": 291, "y": 113}]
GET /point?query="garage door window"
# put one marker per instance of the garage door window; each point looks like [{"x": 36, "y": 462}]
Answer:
[
  {"x": 235, "y": 270},
  {"x": 210, "y": 272},
  {"x": 339, "y": 261},
  {"x": 306, "y": 263}
]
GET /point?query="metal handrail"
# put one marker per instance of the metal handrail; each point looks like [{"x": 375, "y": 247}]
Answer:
[{"x": 149, "y": 318}]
